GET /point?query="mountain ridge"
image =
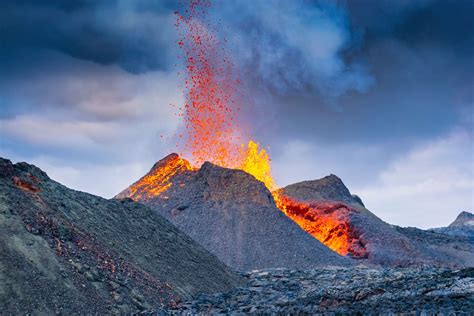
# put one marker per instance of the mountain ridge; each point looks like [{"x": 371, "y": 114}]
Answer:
[
  {"x": 234, "y": 216},
  {"x": 376, "y": 241}
]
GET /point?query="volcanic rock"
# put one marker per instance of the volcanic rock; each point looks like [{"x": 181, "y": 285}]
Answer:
[
  {"x": 464, "y": 219},
  {"x": 329, "y": 188},
  {"x": 234, "y": 216},
  {"x": 327, "y": 210},
  {"x": 344, "y": 291},
  {"x": 67, "y": 252},
  {"x": 463, "y": 226}
]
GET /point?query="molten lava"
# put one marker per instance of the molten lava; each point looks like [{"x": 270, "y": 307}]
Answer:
[
  {"x": 212, "y": 132},
  {"x": 158, "y": 180},
  {"x": 210, "y": 84},
  {"x": 327, "y": 221},
  {"x": 257, "y": 163}
]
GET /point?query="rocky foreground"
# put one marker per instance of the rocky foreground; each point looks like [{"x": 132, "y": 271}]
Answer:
[
  {"x": 68, "y": 252},
  {"x": 424, "y": 291}
]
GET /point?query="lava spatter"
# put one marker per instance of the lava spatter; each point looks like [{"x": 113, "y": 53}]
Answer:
[
  {"x": 159, "y": 179},
  {"x": 212, "y": 130},
  {"x": 209, "y": 112}
]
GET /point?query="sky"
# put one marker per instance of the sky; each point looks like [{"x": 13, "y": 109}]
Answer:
[{"x": 379, "y": 93}]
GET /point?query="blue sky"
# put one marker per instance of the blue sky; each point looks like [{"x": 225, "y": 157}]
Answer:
[{"x": 376, "y": 92}]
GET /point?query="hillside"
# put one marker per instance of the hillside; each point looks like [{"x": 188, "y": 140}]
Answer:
[
  {"x": 327, "y": 209},
  {"x": 64, "y": 251},
  {"x": 231, "y": 214}
]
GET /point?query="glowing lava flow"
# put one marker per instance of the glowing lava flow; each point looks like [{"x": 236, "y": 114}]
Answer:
[
  {"x": 257, "y": 162},
  {"x": 213, "y": 133},
  {"x": 158, "y": 180},
  {"x": 327, "y": 221}
]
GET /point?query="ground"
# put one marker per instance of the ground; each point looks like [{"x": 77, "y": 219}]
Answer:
[{"x": 359, "y": 290}]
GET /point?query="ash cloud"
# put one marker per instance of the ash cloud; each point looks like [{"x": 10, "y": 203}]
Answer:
[{"x": 290, "y": 47}]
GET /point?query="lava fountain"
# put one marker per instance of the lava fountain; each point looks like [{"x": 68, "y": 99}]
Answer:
[{"x": 210, "y": 115}]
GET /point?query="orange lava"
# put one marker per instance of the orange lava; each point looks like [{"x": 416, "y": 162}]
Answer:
[
  {"x": 212, "y": 132},
  {"x": 256, "y": 162},
  {"x": 327, "y": 221},
  {"x": 158, "y": 180},
  {"x": 209, "y": 112}
]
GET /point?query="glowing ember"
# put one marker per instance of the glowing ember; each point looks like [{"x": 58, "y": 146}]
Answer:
[
  {"x": 158, "y": 180},
  {"x": 210, "y": 85},
  {"x": 328, "y": 222},
  {"x": 210, "y": 120}
]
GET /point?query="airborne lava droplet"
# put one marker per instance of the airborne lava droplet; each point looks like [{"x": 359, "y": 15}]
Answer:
[
  {"x": 212, "y": 126},
  {"x": 210, "y": 84}
]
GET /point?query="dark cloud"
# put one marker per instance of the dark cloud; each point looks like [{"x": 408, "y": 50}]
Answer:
[
  {"x": 419, "y": 54},
  {"x": 436, "y": 23},
  {"x": 134, "y": 35}
]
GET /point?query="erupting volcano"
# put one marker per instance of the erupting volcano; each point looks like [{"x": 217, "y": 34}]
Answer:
[
  {"x": 212, "y": 129},
  {"x": 200, "y": 199}
]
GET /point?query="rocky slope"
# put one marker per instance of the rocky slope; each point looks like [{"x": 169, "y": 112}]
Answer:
[
  {"x": 463, "y": 226},
  {"x": 63, "y": 251},
  {"x": 342, "y": 291},
  {"x": 326, "y": 209},
  {"x": 464, "y": 219},
  {"x": 231, "y": 214}
]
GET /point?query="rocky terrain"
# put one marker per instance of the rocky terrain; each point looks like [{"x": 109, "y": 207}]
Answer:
[
  {"x": 232, "y": 215},
  {"x": 326, "y": 209},
  {"x": 356, "y": 290},
  {"x": 235, "y": 217},
  {"x": 463, "y": 226},
  {"x": 464, "y": 219},
  {"x": 64, "y": 251}
]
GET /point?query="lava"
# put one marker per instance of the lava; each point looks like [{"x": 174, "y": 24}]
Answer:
[
  {"x": 257, "y": 162},
  {"x": 327, "y": 221},
  {"x": 212, "y": 131},
  {"x": 159, "y": 179},
  {"x": 209, "y": 111}
]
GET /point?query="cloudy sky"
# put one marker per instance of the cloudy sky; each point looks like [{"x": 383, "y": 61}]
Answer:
[{"x": 376, "y": 92}]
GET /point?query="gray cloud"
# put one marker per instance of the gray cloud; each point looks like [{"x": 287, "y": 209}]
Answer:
[
  {"x": 289, "y": 47},
  {"x": 137, "y": 36}
]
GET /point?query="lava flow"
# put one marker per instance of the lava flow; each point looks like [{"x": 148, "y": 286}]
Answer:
[
  {"x": 212, "y": 130},
  {"x": 327, "y": 221},
  {"x": 158, "y": 180}
]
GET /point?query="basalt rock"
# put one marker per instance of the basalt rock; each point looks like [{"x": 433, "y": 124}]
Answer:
[{"x": 343, "y": 291}]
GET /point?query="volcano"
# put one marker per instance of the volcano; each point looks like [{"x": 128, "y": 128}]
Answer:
[
  {"x": 235, "y": 216},
  {"x": 231, "y": 214}
]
